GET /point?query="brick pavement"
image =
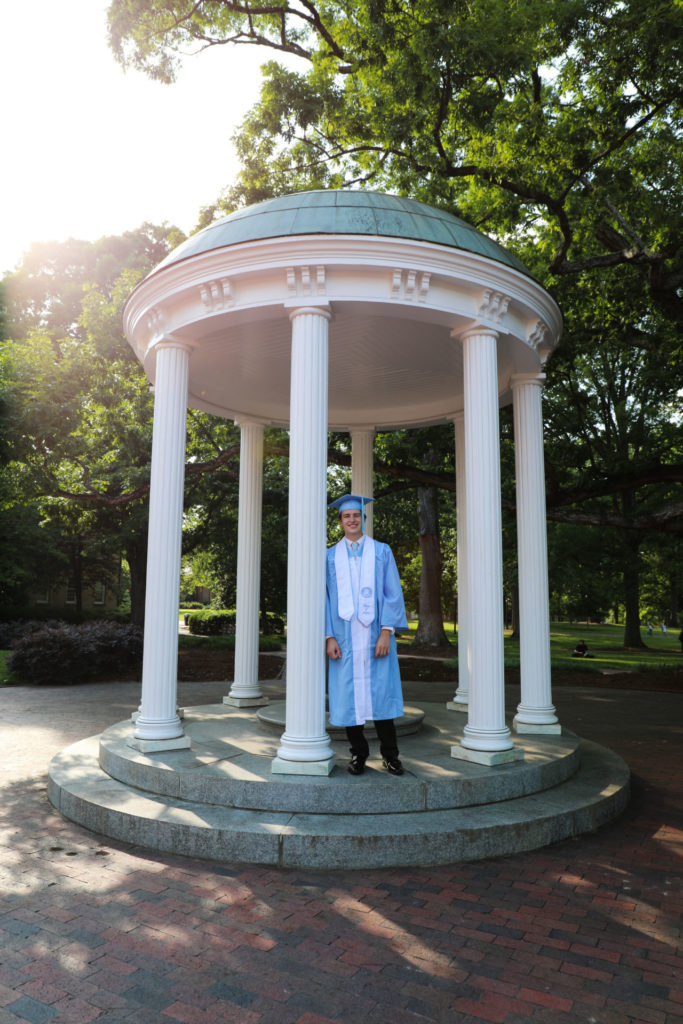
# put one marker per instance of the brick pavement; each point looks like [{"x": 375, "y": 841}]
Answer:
[{"x": 584, "y": 931}]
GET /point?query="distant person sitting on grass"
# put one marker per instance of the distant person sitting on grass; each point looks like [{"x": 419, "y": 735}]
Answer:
[{"x": 581, "y": 651}]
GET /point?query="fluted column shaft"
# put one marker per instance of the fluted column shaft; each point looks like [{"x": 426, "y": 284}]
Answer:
[
  {"x": 461, "y": 697},
  {"x": 535, "y": 712},
  {"x": 305, "y": 746},
  {"x": 361, "y": 470},
  {"x": 158, "y": 720},
  {"x": 485, "y": 730},
  {"x": 245, "y": 690}
]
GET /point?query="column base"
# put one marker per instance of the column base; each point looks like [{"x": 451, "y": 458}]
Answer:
[
  {"x": 456, "y": 705},
  {"x": 549, "y": 728},
  {"x": 246, "y": 702},
  {"x": 180, "y": 712},
  {"x": 488, "y": 757},
  {"x": 152, "y": 746},
  {"x": 279, "y": 766}
]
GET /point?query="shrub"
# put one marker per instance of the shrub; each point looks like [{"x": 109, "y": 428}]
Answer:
[
  {"x": 14, "y": 630},
  {"x": 61, "y": 653},
  {"x": 272, "y": 623},
  {"x": 222, "y": 622},
  {"x": 212, "y": 623}
]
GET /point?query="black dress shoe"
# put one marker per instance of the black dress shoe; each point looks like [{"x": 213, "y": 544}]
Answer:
[
  {"x": 356, "y": 766},
  {"x": 394, "y": 767}
]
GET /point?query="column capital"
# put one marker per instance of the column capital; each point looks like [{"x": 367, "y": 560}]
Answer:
[
  {"x": 321, "y": 309},
  {"x": 518, "y": 379},
  {"x": 247, "y": 421},
  {"x": 166, "y": 341},
  {"x": 475, "y": 330}
]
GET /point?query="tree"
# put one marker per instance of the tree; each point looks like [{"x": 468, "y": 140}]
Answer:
[
  {"x": 555, "y": 123},
  {"x": 612, "y": 413},
  {"x": 554, "y": 127},
  {"x": 77, "y": 407},
  {"x": 212, "y": 513}
]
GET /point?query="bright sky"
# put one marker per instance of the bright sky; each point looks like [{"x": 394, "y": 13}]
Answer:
[{"x": 89, "y": 150}]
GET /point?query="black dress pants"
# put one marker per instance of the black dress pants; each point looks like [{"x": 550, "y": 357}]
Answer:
[{"x": 386, "y": 733}]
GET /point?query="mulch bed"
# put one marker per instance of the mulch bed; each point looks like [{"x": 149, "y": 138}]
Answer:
[{"x": 209, "y": 666}]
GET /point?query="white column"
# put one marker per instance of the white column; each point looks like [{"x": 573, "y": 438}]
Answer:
[
  {"x": 486, "y": 738},
  {"x": 461, "y": 697},
  {"x": 158, "y": 726},
  {"x": 305, "y": 746},
  {"x": 361, "y": 470},
  {"x": 535, "y": 712},
  {"x": 245, "y": 690}
]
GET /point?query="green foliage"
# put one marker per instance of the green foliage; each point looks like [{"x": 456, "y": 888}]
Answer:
[
  {"x": 209, "y": 622},
  {"x": 62, "y": 654},
  {"x": 221, "y": 622},
  {"x": 30, "y": 555},
  {"x": 554, "y": 126},
  {"x": 614, "y": 448},
  {"x": 77, "y": 411},
  {"x": 7, "y": 678}
]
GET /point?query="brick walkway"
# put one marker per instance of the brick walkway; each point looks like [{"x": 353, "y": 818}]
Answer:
[{"x": 584, "y": 931}]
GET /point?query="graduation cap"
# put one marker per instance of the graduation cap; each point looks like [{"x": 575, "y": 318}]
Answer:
[{"x": 356, "y": 501}]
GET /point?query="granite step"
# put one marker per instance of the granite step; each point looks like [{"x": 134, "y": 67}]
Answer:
[{"x": 233, "y": 811}]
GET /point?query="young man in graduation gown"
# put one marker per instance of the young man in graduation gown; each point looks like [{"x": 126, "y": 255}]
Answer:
[{"x": 364, "y": 608}]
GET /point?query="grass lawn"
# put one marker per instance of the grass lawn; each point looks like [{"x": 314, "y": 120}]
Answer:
[{"x": 603, "y": 641}]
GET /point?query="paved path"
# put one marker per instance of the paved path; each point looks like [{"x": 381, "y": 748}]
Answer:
[{"x": 585, "y": 931}]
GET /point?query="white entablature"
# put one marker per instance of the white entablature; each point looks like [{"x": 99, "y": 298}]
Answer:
[{"x": 399, "y": 308}]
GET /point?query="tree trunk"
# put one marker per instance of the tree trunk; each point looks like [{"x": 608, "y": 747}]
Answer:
[
  {"x": 430, "y": 631},
  {"x": 631, "y": 577},
  {"x": 514, "y": 608},
  {"x": 673, "y": 602},
  {"x": 136, "y": 555},
  {"x": 76, "y": 559}
]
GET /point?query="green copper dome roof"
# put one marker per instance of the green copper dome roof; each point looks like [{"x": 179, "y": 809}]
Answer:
[{"x": 342, "y": 212}]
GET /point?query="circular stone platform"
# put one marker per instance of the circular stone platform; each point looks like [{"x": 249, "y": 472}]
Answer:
[
  {"x": 219, "y": 800},
  {"x": 273, "y": 717}
]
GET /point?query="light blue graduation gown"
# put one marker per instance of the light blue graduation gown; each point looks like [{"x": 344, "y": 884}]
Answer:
[{"x": 385, "y": 680}]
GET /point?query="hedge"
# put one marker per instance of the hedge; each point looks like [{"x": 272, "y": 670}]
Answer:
[
  {"x": 61, "y": 653},
  {"x": 209, "y": 622},
  {"x": 212, "y": 622}
]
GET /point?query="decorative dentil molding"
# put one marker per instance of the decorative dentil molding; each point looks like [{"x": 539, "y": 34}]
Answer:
[
  {"x": 306, "y": 281},
  {"x": 411, "y": 285},
  {"x": 216, "y": 295}
]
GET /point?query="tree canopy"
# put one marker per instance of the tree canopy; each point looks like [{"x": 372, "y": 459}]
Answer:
[
  {"x": 557, "y": 125},
  {"x": 553, "y": 127}
]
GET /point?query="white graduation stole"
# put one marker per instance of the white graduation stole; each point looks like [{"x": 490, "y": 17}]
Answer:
[{"x": 366, "y": 589}]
